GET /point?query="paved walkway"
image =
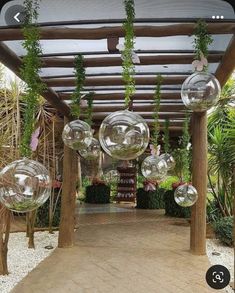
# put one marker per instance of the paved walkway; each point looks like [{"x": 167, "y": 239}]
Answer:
[{"x": 122, "y": 252}]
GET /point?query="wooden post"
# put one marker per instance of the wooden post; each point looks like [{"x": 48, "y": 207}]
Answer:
[
  {"x": 199, "y": 181},
  {"x": 67, "y": 220}
]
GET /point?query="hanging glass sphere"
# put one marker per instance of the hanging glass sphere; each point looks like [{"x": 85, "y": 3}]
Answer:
[
  {"x": 77, "y": 134},
  {"x": 111, "y": 176},
  {"x": 24, "y": 185},
  {"x": 200, "y": 91},
  {"x": 124, "y": 135},
  {"x": 185, "y": 195},
  {"x": 91, "y": 152},
  {"x": 170, "y": 161},
  {"x": 154, "y": 168}
]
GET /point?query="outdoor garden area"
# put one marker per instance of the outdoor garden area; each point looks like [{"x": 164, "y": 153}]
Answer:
[{"x": 117, "y": 146}]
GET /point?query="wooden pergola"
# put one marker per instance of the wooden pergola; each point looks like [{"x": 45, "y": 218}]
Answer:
[{"x": 103, "y": 77}]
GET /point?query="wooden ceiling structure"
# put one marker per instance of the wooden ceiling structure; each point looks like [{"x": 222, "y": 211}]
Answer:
[{"x": 107, "y": 84}]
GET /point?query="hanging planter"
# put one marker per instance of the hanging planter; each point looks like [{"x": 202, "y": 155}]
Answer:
[
  {"x": 77, "y": 134},
  {"x": 92, "y": 151},
  {"x": 124, "y": 135},
  {"x": 201, "y": 90},
  {"x": 167, "y": 157},
  {"x": 185, "y": 195},
  {"x": 25, "y": 184}
]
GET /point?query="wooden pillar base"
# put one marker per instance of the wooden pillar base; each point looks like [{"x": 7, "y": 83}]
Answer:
[{"x": 199, "y": 181}]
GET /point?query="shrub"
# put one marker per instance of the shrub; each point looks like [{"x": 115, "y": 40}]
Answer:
[
  {"x": 42, "y": 218},
  {"x": 166, "y": 184},
  {"x": 150, "y": 199},
  {"x": 224, "y": 230},
  {"x": 172, "y": 209},
  {"x": 97, "y": 193}
]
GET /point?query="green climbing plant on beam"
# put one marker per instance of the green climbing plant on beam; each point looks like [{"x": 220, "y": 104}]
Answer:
[
  {"x": 127, "y": 64},
  {"x": 30, "y": 73}
]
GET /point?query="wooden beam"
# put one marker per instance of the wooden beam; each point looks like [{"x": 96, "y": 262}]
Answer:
[
  {"x": 150, "y": 123},
  {"x": 55, "y": 33},
  {"x": 68, "y": 198},
  {"x": 199, "y": 181},
  {"x": 61, "y": 82},
  {"x": 117, "y": 61},
  {"x": 227, "y": 65},
  {"x": 112, "y": 42},
  {"x": 14, "y": 63},
  {"x": 121, "y": 96},
  {"x": 113, "y": 108}
]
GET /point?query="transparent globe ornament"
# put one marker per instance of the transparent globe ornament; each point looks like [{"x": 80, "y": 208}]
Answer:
[
  {"x": 185, "y": 195},
  {"x": 112, "y": 176},
  {"x": 91, "y": 152},
  {"x": 154, "y": 168},
  {"x": 24, "y": 185},
  {"x": 200, "y": 91},
  {"x": 124, "y": 135},
  {"x": 170, "y": 161},
  {"x": 77, "y": 134}
]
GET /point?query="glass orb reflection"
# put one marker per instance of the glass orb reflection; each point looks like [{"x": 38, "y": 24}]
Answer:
[
  {"x": 200, "y": 91},
  {"x": 154, "y": 167},
  {"x": 24, "y": 185},
  {"x": 91, "y": 152},
  {"x": 170, "y": 161},
  {"x": 185, "y": 195},
  {"x": 77, "y": 134},
  {"x": 124, "y": 135}
]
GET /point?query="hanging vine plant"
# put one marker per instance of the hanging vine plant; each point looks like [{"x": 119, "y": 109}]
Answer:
[
  {"x": 157, "y": 100},
  {"x": 127, "y": 64},
  {"x": 30, "y": 73},
  {"x": 80, "y": 72},
  {"x": 166, "y": 136}
]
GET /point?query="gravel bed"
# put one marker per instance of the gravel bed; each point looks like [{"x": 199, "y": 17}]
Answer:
[
  {"x": 22, "y": 260},
  {"x": 225, "y": 257}
]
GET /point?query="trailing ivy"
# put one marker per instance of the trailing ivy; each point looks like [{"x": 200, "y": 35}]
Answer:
[
  {"x": 157, "y": 100},
  {"x": 127, "y": 64},
  {"x": 185, "y": 150},
  {"x": 79, "y": 71},
  {"x": 89, "y": 99},
  {"x": 30, "y": 72},
  {"x": 201, "y": 41},
  {"x": 166, "y": 136}
]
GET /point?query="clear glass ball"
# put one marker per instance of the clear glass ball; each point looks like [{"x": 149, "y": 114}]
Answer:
[
  {"x": 77, "y": 134},
  {"x": 154, "y": 168},
  {"x": 24, "y": 185},
  {"x": 91, "y": 152},
  {"x": 124, "y": 135},
  {"x": 111, "y": 176},
  {"x": 170, "y": 161},
  {"x": 185, "y": 195},
  {"x": 200, "y": 91}
]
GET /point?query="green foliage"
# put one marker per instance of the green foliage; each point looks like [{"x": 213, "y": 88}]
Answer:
[
  {"x": 182, "y": 155},
  {"x": 224, "y": 230},
  {"x": 202, "y": 40},
  {"x": 150, "y": 199},
  {"x": 166, "y": 136},
  {"x": 167, "y": 183},
  {"x": 89, "y": 111},
  {"x": 212, "y": 211},
  {"x": 79, "y": 71},
  {"x": 99, "y": 194},
  {"x": 42, "y": 218},
  {"x": 157, "y": 100},
  {"x": 30, "y": 73},
  {"x": 127, "y": 64},
  {"x": 172, "y": 209}
]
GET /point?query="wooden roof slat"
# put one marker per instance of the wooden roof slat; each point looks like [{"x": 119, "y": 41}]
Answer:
[
  {"x": 58, "y": 82},
  {"x": 55, "y": 33},
  {"x": 143, "y": 113},
  {"x": 117, "y": 61},
  {"x": 120, "y": 96}
]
